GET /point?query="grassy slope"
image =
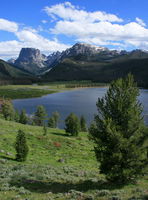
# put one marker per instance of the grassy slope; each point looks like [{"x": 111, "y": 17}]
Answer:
[{"x": 43, "y": 177}]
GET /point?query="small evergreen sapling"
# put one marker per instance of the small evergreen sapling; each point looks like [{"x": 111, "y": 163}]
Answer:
[
  {"x": 16, "y": 116},
  {"x": 56, "y": 117},
  {"x": 40, "y": 115},
  {"x": 21, "y": 146},
  {"x": 51, "y": 122},
  {"x": 72, "y": 125},
  {"x": 44, "y": 129},
  {"x": 23, "y": 117},
  {"x": 83, "y": 125}
]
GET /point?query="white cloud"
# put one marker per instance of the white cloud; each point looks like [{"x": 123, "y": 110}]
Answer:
[
  {"x": 9, "y": 26},
  {"x": 67, "y": 11},
  {"x": 9, "y": 49},
  {"x": 140, "y": 21},
  {"x": 33, "y": 39},
  {"x": 104, "y": 30},
  {"x": 29, "y": 38},
  {"x": 44, "y": 21},
  {"x": 98, "y": 27}
]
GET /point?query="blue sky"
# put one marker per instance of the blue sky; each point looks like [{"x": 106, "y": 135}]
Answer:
[{"x": 56, "y": 25}]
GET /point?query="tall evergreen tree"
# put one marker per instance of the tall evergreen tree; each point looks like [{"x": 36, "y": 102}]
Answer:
[
  {"x": 8, "y": 110},
  {"x": 21, "y": 146},
  {"x": 40, "y": 116},
  {"x": 119, "y": 133},
  {"x": 23, "y": 117},
  {"x": 83, "y": 125},
  {"x": 72, "y": 125}
]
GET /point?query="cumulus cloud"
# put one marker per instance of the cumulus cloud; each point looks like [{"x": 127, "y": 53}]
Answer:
[
  {"x": 97, "y": 27},
  {"x": 67, "y": 11},
  {"x": 9, "y": 26},
  {"x": 105, "y": 30},
  {"x": 33, "y": 39},
  {"x": 29, "y": 38}
]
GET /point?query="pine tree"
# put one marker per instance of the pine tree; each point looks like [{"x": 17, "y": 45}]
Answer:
[
  {"x": 56, "y": 117},
  {"x": 51, "y": 122},
  {"x": 16, "y": 116},
  {"x": 21, "y": 146},
  {"x": 72, "y": 125},
  {"x": 23, "y": 117},
  {"x": 8, "y": 110},
  {"x": 40, "y": 116},
  {"x": 44, "y": 129},
  {"x": 119, "y": 133},
  {"x": 83, "y": 126}
]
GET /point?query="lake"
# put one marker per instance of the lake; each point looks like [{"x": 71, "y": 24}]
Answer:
[{"x": 80, "y": 101}]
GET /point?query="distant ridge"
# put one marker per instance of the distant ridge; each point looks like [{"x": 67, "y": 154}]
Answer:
[{"x": 84, "y": 61}]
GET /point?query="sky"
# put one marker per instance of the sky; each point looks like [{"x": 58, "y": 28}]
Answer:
[{"x": 52, "y": 25}]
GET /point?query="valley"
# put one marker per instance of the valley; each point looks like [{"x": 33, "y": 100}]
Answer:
[{"x": 66, "y": 82}]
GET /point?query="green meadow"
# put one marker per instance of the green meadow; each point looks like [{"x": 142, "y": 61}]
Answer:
[{"x": 58, "y": 167}]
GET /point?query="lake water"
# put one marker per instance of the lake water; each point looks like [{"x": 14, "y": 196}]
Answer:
[{"x": 80, "y": 101}]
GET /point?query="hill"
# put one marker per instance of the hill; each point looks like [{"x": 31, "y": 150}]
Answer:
[
  {"x": 10, "y": 74},
  {"x": 56, "y": 168},
  {"x": 78, "y": 68}
]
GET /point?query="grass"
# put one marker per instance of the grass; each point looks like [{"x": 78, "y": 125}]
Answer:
[
  {"x": 26, "y": 91},
  {"x": 58, "y": 167},
  {"x": 32, "y": 91}
]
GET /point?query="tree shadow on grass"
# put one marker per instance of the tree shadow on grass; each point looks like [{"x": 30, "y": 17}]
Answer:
[
  {"x": 7, "y": 158},
  {"x": 57, "y": 187},
  {"x": 60, "y": 134}
]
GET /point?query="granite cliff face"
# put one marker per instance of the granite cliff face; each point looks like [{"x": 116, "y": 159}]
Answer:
[{"x": 31, "y": 60}]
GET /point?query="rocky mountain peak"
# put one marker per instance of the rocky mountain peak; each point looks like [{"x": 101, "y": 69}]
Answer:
[
  {"x": 30, "y": 55},
  {"x": 31, "y": 60},
  {"x": 85, "y": 49}
]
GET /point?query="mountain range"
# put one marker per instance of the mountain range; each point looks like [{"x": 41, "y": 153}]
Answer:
[{"x": 83, "y": 62}]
